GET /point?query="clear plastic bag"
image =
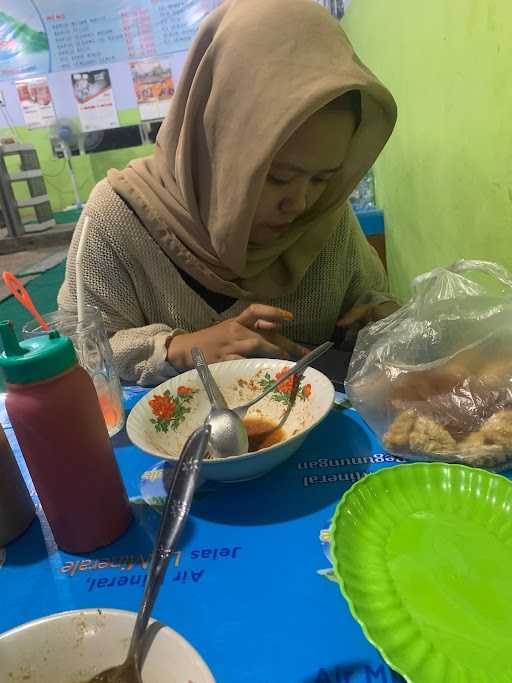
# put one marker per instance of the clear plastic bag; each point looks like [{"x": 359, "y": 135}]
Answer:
[{"x": 434, "y": 380}]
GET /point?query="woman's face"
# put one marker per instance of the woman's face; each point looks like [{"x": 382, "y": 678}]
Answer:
[{"x": 301, "y": 171}]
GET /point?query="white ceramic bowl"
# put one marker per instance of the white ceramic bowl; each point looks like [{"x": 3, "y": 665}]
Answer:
[
  {"x": 161, "y": 422},
  {"x": 71, "y": 647}
]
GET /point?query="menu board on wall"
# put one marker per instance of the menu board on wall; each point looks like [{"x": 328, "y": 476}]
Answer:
[
  {"x": 95, "y": 101},
  {"x": 24, "y": 47},
  {"x": 36, "y": 102},
  {"x": 41, "y": 36}
]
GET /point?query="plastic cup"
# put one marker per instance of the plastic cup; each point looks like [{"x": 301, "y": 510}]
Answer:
[{"x": 94, "y": 354}]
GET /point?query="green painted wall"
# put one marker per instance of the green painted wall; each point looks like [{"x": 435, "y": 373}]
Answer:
[
  {"x": 445, "y": 179},
  {"x": 89, "y": 168}
]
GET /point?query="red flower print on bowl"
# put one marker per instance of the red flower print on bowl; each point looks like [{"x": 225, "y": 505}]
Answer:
[
  {"x": 163, "y": 407},
  {"x": 283, "y": 391},
  {"x": 170, "y": 410}
]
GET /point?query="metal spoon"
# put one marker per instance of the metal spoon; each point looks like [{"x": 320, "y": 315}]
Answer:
[
  {"x": 229, "y": 435},
  {"x": 296, "y": 369},
  {"x": 263, "y": 436},
  {"x": 179, "y": 500}
]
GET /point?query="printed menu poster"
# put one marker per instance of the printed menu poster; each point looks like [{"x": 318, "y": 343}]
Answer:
[
  {"x": 95, "y": 100},
  {"x": 36, "y": 102},
  {"x": 154, "y": 88}
]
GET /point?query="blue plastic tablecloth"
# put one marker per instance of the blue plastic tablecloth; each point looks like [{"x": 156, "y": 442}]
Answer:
[{"x": 250, "y": 588}]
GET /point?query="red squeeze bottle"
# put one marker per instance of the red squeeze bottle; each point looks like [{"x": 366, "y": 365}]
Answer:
[{"x": 54, "y": 411}]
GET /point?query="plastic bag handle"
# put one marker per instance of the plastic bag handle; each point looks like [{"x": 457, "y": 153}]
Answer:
[{"x": 488, "y": 267}]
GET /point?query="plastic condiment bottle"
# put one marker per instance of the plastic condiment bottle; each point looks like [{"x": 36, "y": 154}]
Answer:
[
  {"x": 16, "y": 506},
  {"x": 54, "y": 410}
]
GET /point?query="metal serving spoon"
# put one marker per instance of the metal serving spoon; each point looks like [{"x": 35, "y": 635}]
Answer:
[
  {"x": 229, "y": 435},
  {"x": 179, "y": 500}
]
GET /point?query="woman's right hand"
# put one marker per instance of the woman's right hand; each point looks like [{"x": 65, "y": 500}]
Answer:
[{"x": 252, "y": 334}]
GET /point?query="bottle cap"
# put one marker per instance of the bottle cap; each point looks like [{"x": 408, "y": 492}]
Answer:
[{"x": 36, "y": 359}]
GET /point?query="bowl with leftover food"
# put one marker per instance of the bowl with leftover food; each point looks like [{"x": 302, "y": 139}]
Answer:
[
  {"x": 162, "y": 420},
  {"x": 72, "y": 647}
]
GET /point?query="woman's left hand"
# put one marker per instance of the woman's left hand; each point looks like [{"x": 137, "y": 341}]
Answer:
[
  {"x": 364, "y": 314},
  {"x": 358, "y": 317}
]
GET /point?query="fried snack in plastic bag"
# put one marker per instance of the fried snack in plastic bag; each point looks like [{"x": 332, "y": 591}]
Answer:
[{"x": 434, "y": 379}]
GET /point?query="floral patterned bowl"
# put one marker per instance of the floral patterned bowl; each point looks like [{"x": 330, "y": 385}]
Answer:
[{"x": 161, "y": 422}]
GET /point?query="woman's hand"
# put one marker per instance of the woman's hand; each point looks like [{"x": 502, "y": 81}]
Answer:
[
  {"x": 358, "y": 317},
  {"x": 367, "y": 313},
  {"x": 252, "y": 334}
]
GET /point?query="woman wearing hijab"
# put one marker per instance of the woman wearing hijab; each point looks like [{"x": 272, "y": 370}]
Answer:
[{"x": 236, "y": 235}]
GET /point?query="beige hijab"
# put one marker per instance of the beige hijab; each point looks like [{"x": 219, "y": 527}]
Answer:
[{"x": 256, "y": 71}]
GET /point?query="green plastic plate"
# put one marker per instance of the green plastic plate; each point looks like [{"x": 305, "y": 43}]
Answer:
[{"x": 423, "y": 554}]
